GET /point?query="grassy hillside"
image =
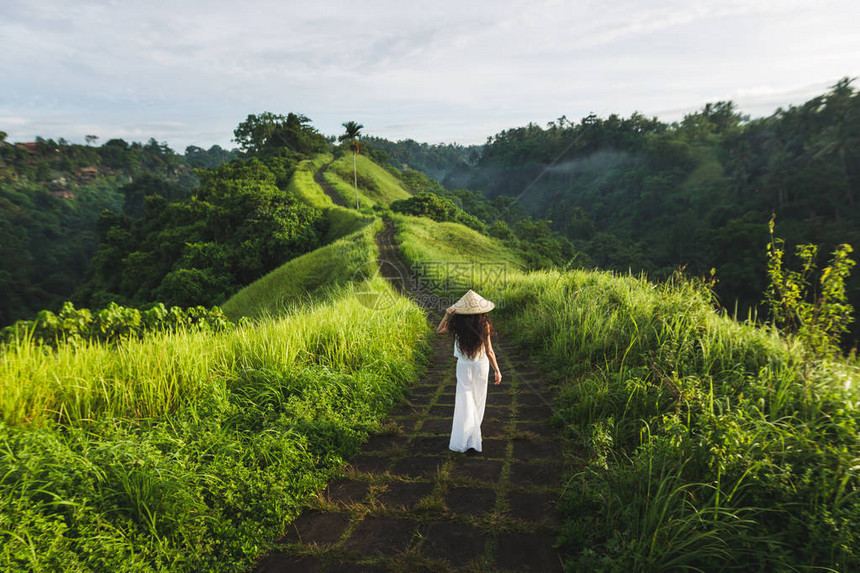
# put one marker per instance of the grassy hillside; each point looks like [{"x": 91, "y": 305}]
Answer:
[
  {"x": 703, "y": 440},
  {"x": 451, "y": 258},
  {"x": 303, "y": 186},
  {"x": 636, "y": 193},
  {"x": 421, "y": 238},
  {"x": 707, "y": 439},
  {"x": 376, "y": 185},
  {"x": 341, "y": 221},
  {"x": 312, "y": 275}
]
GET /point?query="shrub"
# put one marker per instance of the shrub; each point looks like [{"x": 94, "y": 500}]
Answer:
[
  {"x": 818, "y": 322},
  {"x": 111, "y": 324},
  {"x": 438, "y": 208}
]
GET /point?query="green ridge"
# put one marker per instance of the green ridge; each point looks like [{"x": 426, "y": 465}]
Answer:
[
  {"x": 311, "y": 275},
  {"x": 453, "y": 257},
  {"x": 303, "y": 186},
  {"x": 376, "y": 185}
]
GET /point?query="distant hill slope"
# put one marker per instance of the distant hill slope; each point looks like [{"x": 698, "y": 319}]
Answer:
[
  {"x": 350, "y": 244},
  {"x": 376, "y": 185},
  {"x": 636, "y": 193},
  {"x": 342, "y": 221},
  {"x": 311, "y": 275},
  {"x": 448, "y": 163},
  {"x": 303, "y": 186},
  {"x": 423, "y": 239},
  {"x": 451, "y": 257},
  {"x": 51, "y": 197}
]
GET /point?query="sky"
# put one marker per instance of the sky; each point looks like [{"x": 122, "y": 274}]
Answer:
[{"x": 186, "y": 72}]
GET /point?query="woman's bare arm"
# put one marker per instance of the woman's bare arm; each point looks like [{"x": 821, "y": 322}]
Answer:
[
  {"x": 492, "y": 356},
  {"x": 443, "y": 324}
]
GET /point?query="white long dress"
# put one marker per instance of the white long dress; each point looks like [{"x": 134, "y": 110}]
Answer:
[{"x": 470, "y": 400}]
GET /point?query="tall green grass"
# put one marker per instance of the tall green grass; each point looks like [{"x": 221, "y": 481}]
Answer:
[
  {"x": 422, "y": 239},
  {"x": 191, "y": 451},
  {"x": 343, "y": 222},
  {"x": 710, "y": 439},
  {"x": 705, "y": 443},
  {"x": 142, "y": 378}
]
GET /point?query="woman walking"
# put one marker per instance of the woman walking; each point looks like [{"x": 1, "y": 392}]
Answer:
[{"x": 468, "y": 321}]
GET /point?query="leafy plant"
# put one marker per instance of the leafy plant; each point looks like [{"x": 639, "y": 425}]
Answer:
[
  {"x": 112, "y": 324},
  {"x": 426, "y": 204},
  {"x": 817, "y": 311},
  {"x": 239, "y": 225}
]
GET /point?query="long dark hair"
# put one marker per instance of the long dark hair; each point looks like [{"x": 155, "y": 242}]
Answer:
[{"x": 469, "y": 331}]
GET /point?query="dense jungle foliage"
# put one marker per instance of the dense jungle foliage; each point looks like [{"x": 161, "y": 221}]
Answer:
[
  {"x": 236, "y": 227},
  {"x": 639, "y": 194},
  {"x": 139, "y": 224},
  {"x": 52, "y": 194},
  {"x": 440, "y": 161}
]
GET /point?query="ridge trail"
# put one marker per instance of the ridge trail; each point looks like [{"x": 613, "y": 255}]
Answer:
[
  {"x": 326, "y": 187},
  {"x": 407, "y": 503}
]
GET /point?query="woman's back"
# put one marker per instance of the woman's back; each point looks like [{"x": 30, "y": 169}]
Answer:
[{"x": 481, "y": 354}]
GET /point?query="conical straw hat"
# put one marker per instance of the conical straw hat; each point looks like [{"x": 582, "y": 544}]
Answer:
[{"x": 473, "y": 303}]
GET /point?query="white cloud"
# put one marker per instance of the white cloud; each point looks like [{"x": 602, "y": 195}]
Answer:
[{"x": 191, "y": 70}]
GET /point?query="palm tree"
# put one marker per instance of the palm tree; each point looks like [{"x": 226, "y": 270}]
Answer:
[{"x": 352, "y": 134}]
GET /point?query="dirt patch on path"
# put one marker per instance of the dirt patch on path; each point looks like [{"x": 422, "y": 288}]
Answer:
[{"x": 326, "y": 187}]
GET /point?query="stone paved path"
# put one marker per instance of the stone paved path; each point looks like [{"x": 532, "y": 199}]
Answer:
[{"x": 407, "y": 503}]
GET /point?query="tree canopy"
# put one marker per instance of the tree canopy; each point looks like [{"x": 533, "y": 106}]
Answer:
[
  {"x": 198, "y": 251},
  {"x": 637, "y": 194},
  {"x": 270, "y": 133}
]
